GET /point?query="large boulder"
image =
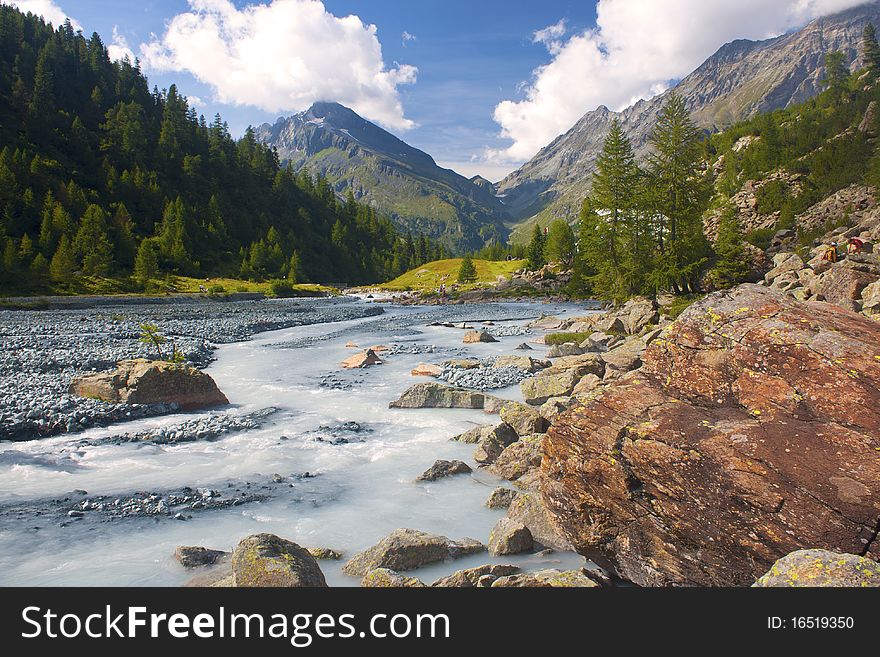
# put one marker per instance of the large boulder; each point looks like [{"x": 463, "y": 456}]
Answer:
[
  {"x": 509, "y": 537},
  {"x": 539, "y": 389},
  {"x": 528, "y": 508},
  {"x": 820, "y": 568},
  {"x": 519, "y": 458},
  {"x": 265, "y": 560},
  {"x": 493, "y": 443},
  {"x": 637, "y": 314},
  {"x": 437, "y": 395},
  {"x": 751, "y": 431},
  {"x": 472, "y": 337},
  {"x": 401, "y": 550},
  {"x": 142, "y": 381},
  {"x": 525, "y": 420},
  {"x": 844, "y": 283}
]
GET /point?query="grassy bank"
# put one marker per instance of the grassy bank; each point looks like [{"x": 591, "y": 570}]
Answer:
[
  {"x": 102, "y": 286},
  {"x": 429, "y": 277}
]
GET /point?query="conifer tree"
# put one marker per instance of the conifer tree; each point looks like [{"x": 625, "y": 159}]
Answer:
[
  {"x": 92, "y": 243},
  {"x": 63, "y": 264},
  {"x": 679, "y": 194},
  {"x": 535, "y": 253},
  {"x": 146, "y": 263},
  {"x": 467, "y": 272},
  {"x": 871, "y": 50},
  {"x": 732, "y": 265},
  {"x": 835, "y": 73},
  {"x": 561, "y": 245}
]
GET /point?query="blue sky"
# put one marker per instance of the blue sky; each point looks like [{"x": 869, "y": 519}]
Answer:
[
  {"x": 481, "y": 85},
  {"x": 470, "y": 56}
]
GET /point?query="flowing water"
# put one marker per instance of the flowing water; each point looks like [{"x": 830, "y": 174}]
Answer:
[{"x": 341, "y": 485}]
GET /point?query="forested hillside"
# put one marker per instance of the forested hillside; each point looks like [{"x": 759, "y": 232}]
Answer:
[
  {"x": 102, "y": 177},
  {"x": 682, "y": 221}
]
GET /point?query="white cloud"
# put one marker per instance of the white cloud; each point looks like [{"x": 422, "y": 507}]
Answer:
[
  {"x": 636, "y": 50},
  {"x": 120, "y": 49},
  {"x": 283, "y": 56},
  {"x": 407, "y": 37},
  {"x": 45, "y": 8},
  {"x": 551, "y": 36},
  {"x": 195, "y": 101}
]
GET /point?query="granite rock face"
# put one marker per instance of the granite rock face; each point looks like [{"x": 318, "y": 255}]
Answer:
[{"x": 751, "y": 431}]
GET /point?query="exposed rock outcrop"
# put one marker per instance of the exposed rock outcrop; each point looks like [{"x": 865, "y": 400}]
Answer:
[
  {"x": 481, "y": 576},
  {"x": 751, "y": 431},
  {"x": 197, "y": 556},
  {"x": 509, "y": 537},
  {"x": 142, "y": 381}
]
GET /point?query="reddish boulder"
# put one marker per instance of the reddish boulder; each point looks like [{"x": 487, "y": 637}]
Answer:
[
  {"x": 753, "y": 430},
  {"x": 366, "y": 358},
  {"x": 143, "y": 381}
]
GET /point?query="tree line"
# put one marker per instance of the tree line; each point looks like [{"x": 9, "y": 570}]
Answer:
[{"x": 102, "y": 177}]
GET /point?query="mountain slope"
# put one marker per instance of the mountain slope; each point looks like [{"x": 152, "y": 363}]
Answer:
[
  {"x": 742, "y": 79},
  {"x": 392, "y": 176}
]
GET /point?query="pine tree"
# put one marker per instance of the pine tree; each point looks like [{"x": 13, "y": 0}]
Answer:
[
  {"x": 63, "y": 264},
  {"x": 835, "y": 73},
  {"x": 732, "y": 265},
  {"x": 561, "y": 246},
  {"x": 871, "y": 50},
  {"x": 146, "y": 263},
  {"x": 535, "y": 254},
  {"x": 92, "y": 243},
  {"x": 294, "y": 269},
  {"x": 467, "y": 272},
  {"x": 679, "y": 194}
]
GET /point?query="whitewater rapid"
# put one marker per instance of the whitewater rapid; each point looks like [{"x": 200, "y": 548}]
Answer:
[{"x": 340, "y": 485}]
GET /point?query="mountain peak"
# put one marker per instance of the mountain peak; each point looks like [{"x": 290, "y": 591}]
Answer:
[{"x": 402, "y": 181}]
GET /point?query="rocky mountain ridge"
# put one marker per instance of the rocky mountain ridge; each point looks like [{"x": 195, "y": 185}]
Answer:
[
  {"x": 742, "y": 79},
  {"x": 399, "y": 180}
]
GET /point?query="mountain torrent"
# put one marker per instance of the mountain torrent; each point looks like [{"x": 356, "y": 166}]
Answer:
[{"x": 752, "y": 430}]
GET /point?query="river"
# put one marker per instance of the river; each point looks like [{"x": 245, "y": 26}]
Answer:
[{"x": 340, "y": 485}]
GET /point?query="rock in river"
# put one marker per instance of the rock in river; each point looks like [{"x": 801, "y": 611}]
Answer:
[
  {"x": 142, "y": 381},
  {"x": 195, "y": 556},
  {"x": 436, "y": 395},
  {"x": 366, "y": 358},
  {"x": 751, "y": 431},
  {"x": 402, "y": 549},
  {"x": 265, "y": 560},
  {"x": 510, "y": 537},
  {"x": 478, "y": 336},
  {"x": 442, "y": 469}
]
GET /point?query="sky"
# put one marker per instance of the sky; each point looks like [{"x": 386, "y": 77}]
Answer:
[{"x": 481, "y": 85}]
